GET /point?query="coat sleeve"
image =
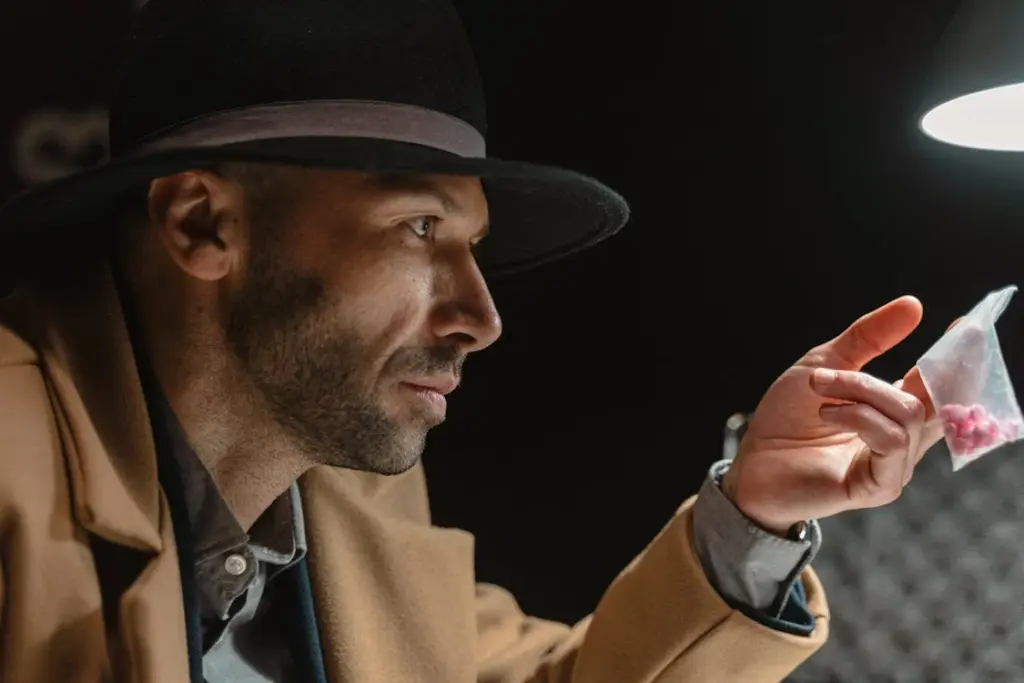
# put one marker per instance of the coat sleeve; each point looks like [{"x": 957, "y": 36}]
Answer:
[{"x": 660, "y": 621}]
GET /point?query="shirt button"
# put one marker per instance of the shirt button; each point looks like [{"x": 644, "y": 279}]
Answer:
[{"x": 235, "y": 565}]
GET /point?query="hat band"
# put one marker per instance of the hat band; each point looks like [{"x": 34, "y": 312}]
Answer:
[{"x": 324, "y": 118}]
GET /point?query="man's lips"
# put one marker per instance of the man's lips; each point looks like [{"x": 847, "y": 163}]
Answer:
[
  {"x": 442, "y": 384},
  {"x": 431, "y": 392}
]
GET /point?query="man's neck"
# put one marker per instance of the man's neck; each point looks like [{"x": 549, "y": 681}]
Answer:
[{"x": 251, "y": 460}]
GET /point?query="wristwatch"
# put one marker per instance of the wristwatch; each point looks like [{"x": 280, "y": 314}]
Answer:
[{"x": 798, "y": 532}]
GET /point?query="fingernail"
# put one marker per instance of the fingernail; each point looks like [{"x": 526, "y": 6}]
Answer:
[
  {"x": 827, "y": 411},
  {"x": 824, "y": 376}
]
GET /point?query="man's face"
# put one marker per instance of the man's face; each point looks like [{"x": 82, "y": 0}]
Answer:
[{"x": 357, "y": 308}]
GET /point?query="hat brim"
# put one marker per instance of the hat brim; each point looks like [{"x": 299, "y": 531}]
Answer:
[{"x": 538, "y": 213}]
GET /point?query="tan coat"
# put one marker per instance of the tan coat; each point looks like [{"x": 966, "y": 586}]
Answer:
[{"x": 397, "y": 600}]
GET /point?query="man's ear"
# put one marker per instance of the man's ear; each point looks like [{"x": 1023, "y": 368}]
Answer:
[{"x": 198, "y": 217}]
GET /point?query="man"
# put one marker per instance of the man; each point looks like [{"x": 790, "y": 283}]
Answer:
[{"x": 214, "y": 403}]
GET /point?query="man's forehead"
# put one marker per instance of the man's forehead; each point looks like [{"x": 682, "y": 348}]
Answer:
[
  {"x": 451, "y": 191},
  {"x": 457, "y": 194}
]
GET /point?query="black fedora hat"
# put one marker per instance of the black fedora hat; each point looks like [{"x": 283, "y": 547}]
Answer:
[{"x": 366, "y": 85}]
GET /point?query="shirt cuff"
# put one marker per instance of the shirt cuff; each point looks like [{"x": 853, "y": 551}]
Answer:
[{"x": 746, "y": 564}]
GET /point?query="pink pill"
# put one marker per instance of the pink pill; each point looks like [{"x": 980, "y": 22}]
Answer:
[
  {"x": 1011, "y": 430},
  {"x": 954, "y": 412},
  {"x": 961, "y": 446},
  {"x": 978, "y": 412},
  {"x": 965, "y": 427}
]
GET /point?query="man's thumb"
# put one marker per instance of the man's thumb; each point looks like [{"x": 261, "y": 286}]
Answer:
[{"x": 914, "y": 385}]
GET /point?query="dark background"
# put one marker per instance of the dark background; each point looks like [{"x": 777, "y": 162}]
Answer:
[{"x": 780, "y": 189}]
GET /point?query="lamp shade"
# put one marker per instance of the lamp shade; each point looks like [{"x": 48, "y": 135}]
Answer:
[{"x": 976, "y": 93}]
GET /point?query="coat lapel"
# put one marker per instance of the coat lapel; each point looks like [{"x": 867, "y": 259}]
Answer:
[
  {"x": 88, "y": 360},
  {"x": 78, "y": 329},
  {"x": 394, "y": 595}
]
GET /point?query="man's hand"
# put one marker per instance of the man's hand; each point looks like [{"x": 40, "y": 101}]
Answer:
[{"x": 826, "y": 437}]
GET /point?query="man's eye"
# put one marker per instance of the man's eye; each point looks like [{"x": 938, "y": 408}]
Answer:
[{"x": 422, "y": 226}]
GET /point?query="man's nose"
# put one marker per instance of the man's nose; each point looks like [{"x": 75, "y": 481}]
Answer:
[{"x": 467, "y": 315}]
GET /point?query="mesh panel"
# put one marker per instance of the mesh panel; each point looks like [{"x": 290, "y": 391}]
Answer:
[{"x": 930, "y": 588}]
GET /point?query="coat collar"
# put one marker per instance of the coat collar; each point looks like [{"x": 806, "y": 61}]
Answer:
[{"x": 77, "y": 326}]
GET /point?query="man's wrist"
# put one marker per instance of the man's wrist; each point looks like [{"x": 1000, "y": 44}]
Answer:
[
  {"x": 794, "y": 530},
  {"x": 745, "y": 563}
]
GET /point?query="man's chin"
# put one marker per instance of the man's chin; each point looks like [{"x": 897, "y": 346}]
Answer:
[
  {"x": 395, "y": 468},
  {"x": 392, "y": 466},
  {"x": 401, "y": 455}
]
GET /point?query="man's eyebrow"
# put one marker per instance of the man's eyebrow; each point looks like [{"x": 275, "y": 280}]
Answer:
[{"x": 396, "y": 182}]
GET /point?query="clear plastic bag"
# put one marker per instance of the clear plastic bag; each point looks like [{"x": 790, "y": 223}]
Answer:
[{"x": 967, "y": 380}]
